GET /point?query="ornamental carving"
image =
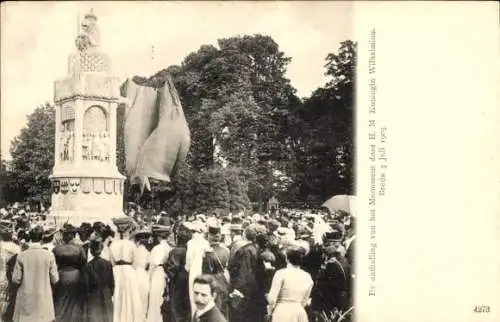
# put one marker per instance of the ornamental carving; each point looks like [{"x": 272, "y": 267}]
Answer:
[
  {"x": 109, "y": 186},
  {"x": 67, "y": 141},
  {"x": 95, "y": 146},
  {"x": 95, "y": 137},
  {"x": 86, "y": 185},
  {"x": 88, "y": 37},
  {"x": 64, "y": 185},
  {"x": 98, "y": 185},
  {"x": 117, "y": 187},
  {"x": 56, "y": 186},
  {"x": 74, "y": 184}
]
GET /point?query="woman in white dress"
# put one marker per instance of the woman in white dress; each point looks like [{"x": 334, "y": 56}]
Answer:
[
  {"x": 290, "y": 290},
  {"x": 127, "y": 308},
  {"x": 159, "y": 256},
  {"x": 107, "y": 236},
  {"x": 140, "y": 263}
]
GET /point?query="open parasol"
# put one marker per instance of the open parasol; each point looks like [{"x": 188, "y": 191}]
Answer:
[{"x": 345, "y": 203}]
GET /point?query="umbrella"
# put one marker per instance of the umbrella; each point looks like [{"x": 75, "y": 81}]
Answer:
[{"x": 345, "y": 203}]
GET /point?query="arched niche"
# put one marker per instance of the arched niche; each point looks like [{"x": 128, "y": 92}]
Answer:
[
  {"x": 95, "y": 120},
  {"x": 95, "y": 138}
]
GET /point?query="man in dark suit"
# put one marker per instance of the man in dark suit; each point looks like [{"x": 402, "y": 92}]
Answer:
[
  {"x": 247, "y": 277},
  {"x": 204, "y": 295}
]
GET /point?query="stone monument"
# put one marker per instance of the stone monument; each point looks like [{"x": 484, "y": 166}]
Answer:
[{"x": 87, "y": 185}]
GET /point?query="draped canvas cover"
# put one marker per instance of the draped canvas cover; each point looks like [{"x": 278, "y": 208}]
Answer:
[{"x": 157, "y": 136}]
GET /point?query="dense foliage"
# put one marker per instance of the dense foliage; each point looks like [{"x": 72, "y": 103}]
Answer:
[
  {"x": 32, "y": 154},
  {"x": 236, "y": 96}
]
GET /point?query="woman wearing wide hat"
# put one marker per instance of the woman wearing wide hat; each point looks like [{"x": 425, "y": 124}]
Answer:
[{"x": 125, "y": 301}]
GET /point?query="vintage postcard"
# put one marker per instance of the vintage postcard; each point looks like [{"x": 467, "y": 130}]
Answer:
[{"x": 250, "y": 161}]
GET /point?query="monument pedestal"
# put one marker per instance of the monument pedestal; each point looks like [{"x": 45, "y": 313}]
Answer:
[
  {"x": 86, "y": 195},
  {"x": 87, "y": 185}
]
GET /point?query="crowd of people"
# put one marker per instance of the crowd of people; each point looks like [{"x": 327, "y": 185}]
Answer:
[{"x": 287, "y": 265}]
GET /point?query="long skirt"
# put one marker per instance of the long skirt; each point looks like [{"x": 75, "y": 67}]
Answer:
[
  {"x": 68, "y": 298},
  {"x": 289, "y": 312},
  {"x": 179, "y": 308},
  {"x": 248, "y": 309},
  {"x": 143, "y": 282},
  {"x": 157, "y": 288},
  {"x": 125, "y": 302},
  {"x": 99, "y": 306}
]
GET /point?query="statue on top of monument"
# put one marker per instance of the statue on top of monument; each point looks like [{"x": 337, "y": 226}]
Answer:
[{"x": 88, "y": 35}]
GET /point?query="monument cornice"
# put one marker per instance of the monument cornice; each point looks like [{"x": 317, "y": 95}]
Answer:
[{"x": 74, "y": 97}]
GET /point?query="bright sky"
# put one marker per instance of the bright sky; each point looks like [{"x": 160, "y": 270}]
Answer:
[{"x": 37, "y": 37}]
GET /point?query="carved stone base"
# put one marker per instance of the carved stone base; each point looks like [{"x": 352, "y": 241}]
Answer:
[{"x": 81, "y": 198}]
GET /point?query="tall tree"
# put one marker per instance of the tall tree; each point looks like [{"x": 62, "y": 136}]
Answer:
[
  {"x": 240, "y": 86},
  {"x": 275, "y": 97},
  {"x": 32, "y": 154},
  {"x": 9, "y": 191},
  {"x": 236, "y": 94},
  {"x": 324, "y": 146}
]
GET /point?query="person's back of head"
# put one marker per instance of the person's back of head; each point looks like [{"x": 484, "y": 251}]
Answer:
[
  {"x": 68, "y": 233},
  {"x": 35, "y": 235},
  {"x": 183, "y": 236},
  {"x": 85, "y": 231},
  {"x": 96, "y": 246},
  {"x": 106, "y": 232}
]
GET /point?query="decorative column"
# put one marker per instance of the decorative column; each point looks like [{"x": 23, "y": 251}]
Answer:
[
  {"x": 78, "y": 130},
  {"x": 57, "y": 137},
  {"x": 87, "y": 185},
  {"x": 112, "y": 137}
]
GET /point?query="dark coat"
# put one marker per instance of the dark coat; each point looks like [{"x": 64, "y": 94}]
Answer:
[
  {"x": 313, "y": 260},
  {"x": 178, "y": 304},
  {"x": 215, "y": 263},
  {"x": 9, "y": 311},
  {"x": 247, "y": 274},
  {"x": 98, "y": 283},
  {"x": 68, "y": 299},
  {"x": 213, "y": 315},
  {"x": 332, "y": 285}
]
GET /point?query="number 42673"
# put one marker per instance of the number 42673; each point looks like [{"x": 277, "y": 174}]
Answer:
[{"x": 482, "y": 309}]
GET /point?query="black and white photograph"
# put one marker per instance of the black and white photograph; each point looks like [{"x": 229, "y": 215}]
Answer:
[
  {"x": 206, "y": 161},
  {"x": 178, "y": 161}
]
